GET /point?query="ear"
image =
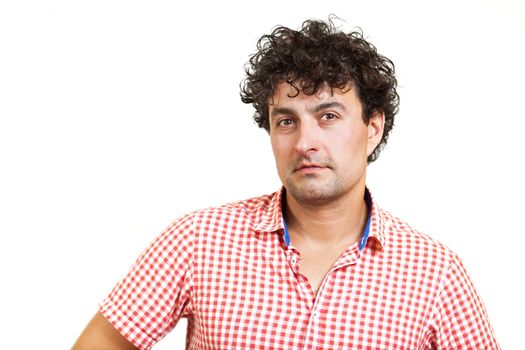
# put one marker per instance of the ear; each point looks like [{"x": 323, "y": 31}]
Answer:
[{"x": 376, "y": 126}]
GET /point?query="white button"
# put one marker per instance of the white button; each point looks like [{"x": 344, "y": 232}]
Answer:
[
  {"x": 293, "y": 260},
  {"x": 315, "y": 314}
]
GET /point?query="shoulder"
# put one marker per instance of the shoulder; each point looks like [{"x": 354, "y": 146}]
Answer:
[
  {"x": 243, "y": 215},
  {"x": 239, "y": 216},
  {"x": 406, "y": 242},
  {"x": 247, "y": 208}
]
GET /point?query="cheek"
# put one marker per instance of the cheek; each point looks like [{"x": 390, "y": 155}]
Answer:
[
  {"x": 354, "y": 147},
  {"x": 279, "y": 152},
  {"x": 275, "y": 148}
]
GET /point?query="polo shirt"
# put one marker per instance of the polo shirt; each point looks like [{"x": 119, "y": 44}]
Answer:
[{"x": 234, "y": 275}]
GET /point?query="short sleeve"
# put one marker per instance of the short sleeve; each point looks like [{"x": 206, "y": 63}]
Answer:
[
  {"x": 148, "y": 302},
  {"x": 460, "y": 319}
]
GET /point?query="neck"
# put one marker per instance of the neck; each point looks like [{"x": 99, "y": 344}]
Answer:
[{"x": 329, "y": 224}]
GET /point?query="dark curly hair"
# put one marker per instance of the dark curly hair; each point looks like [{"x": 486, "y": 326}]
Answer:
[{"x": 320, "y": 54}]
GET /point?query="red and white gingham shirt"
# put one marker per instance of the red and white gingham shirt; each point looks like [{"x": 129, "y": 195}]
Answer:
[{"x": 229, "y": 271}]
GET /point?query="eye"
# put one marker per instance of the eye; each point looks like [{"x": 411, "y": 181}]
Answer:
[
  {"x": 328, "y": 116},
  {"x": 285, "y": 122}
]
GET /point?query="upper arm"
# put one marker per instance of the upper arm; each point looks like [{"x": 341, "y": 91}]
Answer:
[
  {"x": 461, "y": 318},
  {"x": 100, "y": 334},
  {"x": 148, "y": 302}
]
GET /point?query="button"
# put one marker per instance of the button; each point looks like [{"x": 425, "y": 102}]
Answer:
[
  {"x": 315, "y": 314},
  {"x": 293, "y": 261}
]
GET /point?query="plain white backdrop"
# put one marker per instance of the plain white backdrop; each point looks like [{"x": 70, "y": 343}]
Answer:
[{"x": 116, "y": 117}]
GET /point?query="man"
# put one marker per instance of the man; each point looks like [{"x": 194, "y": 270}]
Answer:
[{"x": 316, "y": 265}]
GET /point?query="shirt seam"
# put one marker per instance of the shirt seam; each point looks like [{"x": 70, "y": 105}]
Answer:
[{"x": 434, "y": 318}]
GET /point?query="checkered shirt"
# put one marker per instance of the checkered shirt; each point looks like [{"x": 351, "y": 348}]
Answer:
[{"x": 230, "y": 273}]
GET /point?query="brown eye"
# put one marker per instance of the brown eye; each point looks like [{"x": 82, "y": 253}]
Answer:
[
  {"x": 285, "y": 122},
  {"x": 328, "y": 116}
]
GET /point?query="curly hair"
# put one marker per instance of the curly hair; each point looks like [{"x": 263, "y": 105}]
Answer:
[{"x": 316, "y": 55}]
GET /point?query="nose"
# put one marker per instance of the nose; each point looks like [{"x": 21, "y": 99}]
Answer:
[{"x": 307, "y": 138}]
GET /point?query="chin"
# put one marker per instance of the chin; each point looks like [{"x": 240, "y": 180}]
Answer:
[{"x": 313, "y": 194}]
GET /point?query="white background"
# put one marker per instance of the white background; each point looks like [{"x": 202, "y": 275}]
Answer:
[{"x": 116, "y": 117}]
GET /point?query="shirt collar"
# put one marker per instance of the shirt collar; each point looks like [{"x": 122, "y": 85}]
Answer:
[
  {"x": 376, "y": 237},
  {"x": 270, "y": 219}
]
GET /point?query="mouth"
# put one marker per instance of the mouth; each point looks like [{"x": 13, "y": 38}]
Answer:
[{"x": 310, "y": 168}]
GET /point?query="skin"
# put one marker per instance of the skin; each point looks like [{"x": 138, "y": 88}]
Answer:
[
  {"x": 101, "y": 335},
  {"x": 321, "y": 144}
]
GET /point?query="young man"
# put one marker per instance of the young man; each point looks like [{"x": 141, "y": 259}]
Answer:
[{"x": 316, "y": 265}]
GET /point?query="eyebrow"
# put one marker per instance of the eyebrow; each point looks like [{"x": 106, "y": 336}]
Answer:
[
  {"x": 318, "y": 108},
  {"x": 327, "y": 105}
]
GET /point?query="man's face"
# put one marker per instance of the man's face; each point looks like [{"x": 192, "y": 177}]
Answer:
[{"x": 321, "y": 143}]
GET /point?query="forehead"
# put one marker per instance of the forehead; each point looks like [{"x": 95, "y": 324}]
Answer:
[{"x": 286, "y": 94}]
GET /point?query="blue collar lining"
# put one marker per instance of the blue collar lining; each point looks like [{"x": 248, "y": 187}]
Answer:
[{"x": 364, "y": 236}]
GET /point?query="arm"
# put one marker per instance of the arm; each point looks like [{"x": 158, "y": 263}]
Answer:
[
  {"x": 148, "y": 302},
  {"x": 100, "y": 334},
  {"x": 461, "y": 320}
]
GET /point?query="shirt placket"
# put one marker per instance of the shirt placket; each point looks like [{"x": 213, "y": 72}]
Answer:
[
  {"x": 294, "y": 260},
  {"x": 299, "y": 283},
  {"x": 315, "y": 323}
]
